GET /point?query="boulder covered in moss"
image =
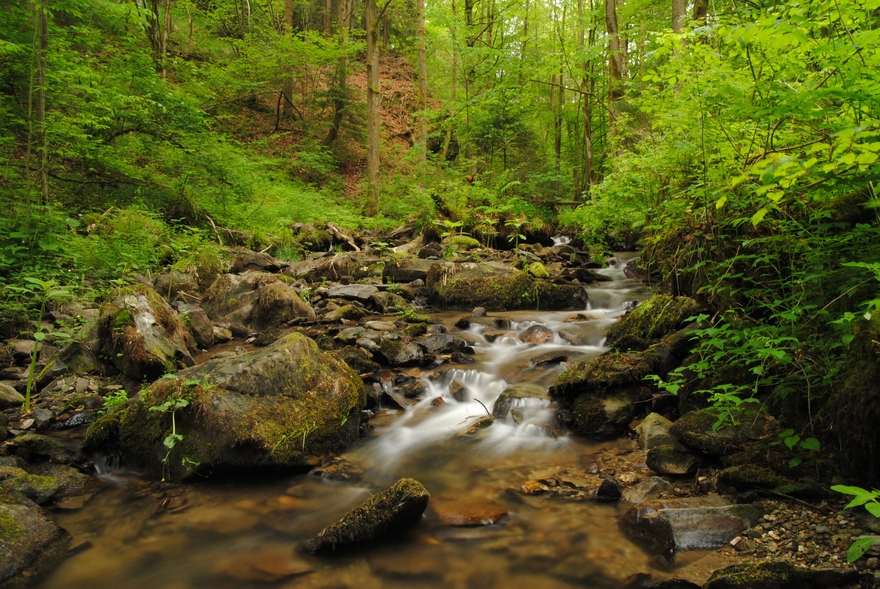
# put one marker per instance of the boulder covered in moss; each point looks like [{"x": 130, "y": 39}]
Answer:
[
  {"x": 254, "y": 301},
  {"x": 498, "y": 287},
  {"x": 396, "y": 508},
  {"x": 654, "y": 319},
  {"x": 603, "y": 417},
  {"x": 697, "y": 430},
  {"x": 143, "y": 335},
  {"x": 284, "y": 406},
  {"x": 780, "y": 575},
  {"x": 30, "y": 543}
]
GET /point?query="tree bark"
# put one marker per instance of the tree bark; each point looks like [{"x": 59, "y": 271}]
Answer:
[
  {"x": 679, "y": 9},
  {"x": 287, "y": 84},
  {"x": 371, "y": 19},
  {"x": 39, "y": 98},
  {"x": 423, "y": 94},
  {"x": 616, "y": 64},
  {"x": 701, "y": 10}
]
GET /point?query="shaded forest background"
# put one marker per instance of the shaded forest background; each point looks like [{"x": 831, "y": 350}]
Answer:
[{"x": 736, "y": 143}]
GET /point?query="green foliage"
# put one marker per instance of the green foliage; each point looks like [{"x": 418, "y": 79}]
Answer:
[
  {"x": 43, "y": 291},
  {"x": 868, "y": 500}
]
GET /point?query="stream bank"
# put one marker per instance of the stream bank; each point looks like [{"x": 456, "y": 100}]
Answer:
[{"x": 514, "y": 497}]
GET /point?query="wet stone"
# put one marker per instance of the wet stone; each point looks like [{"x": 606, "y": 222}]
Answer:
[
  {"x": 536, "y": 335},
  {"x": 467, "y": 512}
]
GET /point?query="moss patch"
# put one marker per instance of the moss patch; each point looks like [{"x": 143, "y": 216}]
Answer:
[
  {"x": 10, "y": 529},
  {"x": 655, "y": 318}
]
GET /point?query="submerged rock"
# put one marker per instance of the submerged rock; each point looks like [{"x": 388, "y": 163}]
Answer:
[
  {"x": 398, "y": 507},
  {"x": 280, "y": 407}
]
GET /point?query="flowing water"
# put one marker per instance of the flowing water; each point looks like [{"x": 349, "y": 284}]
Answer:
[{"x": 245, "y": 533}]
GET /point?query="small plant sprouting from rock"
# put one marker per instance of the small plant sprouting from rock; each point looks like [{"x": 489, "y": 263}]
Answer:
[
  {"x": 868, "y": 499},
  {"x": 172, "y": 439}
]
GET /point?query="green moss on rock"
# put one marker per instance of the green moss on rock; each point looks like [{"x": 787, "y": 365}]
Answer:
[
  {"x": 10, "y": 529},
  {"x": 655, "y": 318},
  {"x": 399, "y": 506}
]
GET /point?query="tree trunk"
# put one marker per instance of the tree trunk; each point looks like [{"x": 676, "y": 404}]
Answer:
[
  {"x": 450, "y": 121},
  {"x": 615, "y": 64},
  {"x": 38, "y": 105},
  {"x": 423, "y": 94},
  {"x": 328, "y": 10},
  {"x": 701, "y": 10},
  {"x": 679, "y": 9},
  {"x": 371, "y": 20},
  {"x": 287, "y": 84},
  {"x": 587, "y": 87}
]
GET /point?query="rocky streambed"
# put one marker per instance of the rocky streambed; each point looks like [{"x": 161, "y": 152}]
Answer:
[{"x": 548, "y": 459}]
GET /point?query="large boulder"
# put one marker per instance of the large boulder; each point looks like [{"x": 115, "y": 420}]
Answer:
[
  {"x": 283, "y": 406},
  {"x": 143, "y": 335},
  {"x": 254, "y": 301},
  {"x": 498, "y": 287},
  {"x": 399, "y": 506},
  {"x": 29, "y": 542}
]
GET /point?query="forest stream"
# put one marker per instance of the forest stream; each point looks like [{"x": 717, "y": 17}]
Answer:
[{"x": 246, "y": 533}]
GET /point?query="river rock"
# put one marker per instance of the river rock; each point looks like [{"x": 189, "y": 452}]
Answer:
[
  {"x": 29, "y": 542},
  {"x": 602, "y": 417},
  {"x": 35, "y": 448},
  {"x": 467, "y": 512},
  {"x": 655, "y": 318},
  {"x": 779, "y": 575},
  {"x": 335, "y": 266},
  {"x": 345, "y": 312},
  {"x": 361, "y": 293},
  {"x": 653, "y": 488},
  {"x": 654, "y": 431},
  {"x": 9, "y": 397},
  {"x": 246, "y": 260},
  {"x": 398, "y": 353},
  {"x": 407, "y": 270},
  {"x": 358, "y": 359},
  {"x": 518, "y": 395},
  {"x": 695, "y": 431},
  {"x": 609, "y": 490},
  {"x": 175, "y": 284},
  {"x": 498, "y": 287},
  {"x": 691, "y": 524},
  {"x": 667, "y": 460},
  {"x": 143, "y": 335},
  {"x": 254, "y": 301},
  {"x": 536, "y": 335},
  {"x": 398, "y": 507},
  {"x": 279, "y": 407},
  {"x": 200, "y": 325}
]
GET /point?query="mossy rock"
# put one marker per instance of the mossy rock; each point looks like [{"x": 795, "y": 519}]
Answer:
[
  {"x": 779, "y": 575},
  {"x": 695, "y": 430},
  {"x": 668, "y": 460},
  {"x": 394, "y": 509},
  {"x": 464, "y": 243},
  {"x": 605, "y": 373},
  {"x": 654, "y": 319},
  {"x": 499, "y": 288},
  {"x": 30, "y": 544},
  {"x": 750, "y": 476},
  {"x": 284, "y": 406},
  {"x": 602, "y": 418},
  {"x": 538, "y": 270},
  {"x": 254, "y": 301},
  {"x": 143, "y": 335}
]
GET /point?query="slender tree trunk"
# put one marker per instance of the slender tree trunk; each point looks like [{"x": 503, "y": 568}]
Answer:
[
  {"x": 679, "y": 9},
  {"x": 423, "y": 94},
  {"x": 454, "y": 86},
  {"x": 587, "y": 86},
  {"x": 701, "y": 10},
  {"x": 328, "y": 11},
  {"x": 371, "y": 20},
  {"x": 615, "y": 64},
  {"x": 38, "y": 170},
  {"x": 287, "y": 83},
  {"x": 339, "y": 92}
]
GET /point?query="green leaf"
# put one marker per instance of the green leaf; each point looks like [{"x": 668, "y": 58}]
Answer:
[
  {"x": 873, "y": 509},
  {"x": 859, "y": 548},
  {"x": 39, "y": 336},
  {"x": 811, "y": 444},
  {"x": 759, "y": 216}
]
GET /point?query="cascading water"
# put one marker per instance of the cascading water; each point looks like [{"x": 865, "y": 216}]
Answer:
[{"x": 476, "y": 432}]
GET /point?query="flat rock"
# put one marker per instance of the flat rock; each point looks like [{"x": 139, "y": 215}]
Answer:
[
  {"x": 779, "y": 575},
  {"x": 355, "y": 292}
]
